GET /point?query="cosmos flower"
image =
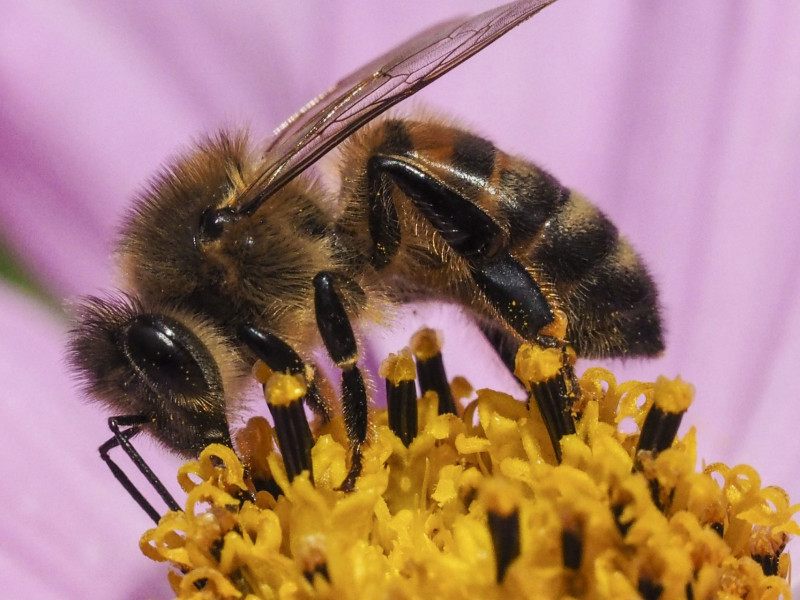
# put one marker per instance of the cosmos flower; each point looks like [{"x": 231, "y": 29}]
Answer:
[
  {"x": 490, "y": 500},
  {"x": 679, "y": 120}
]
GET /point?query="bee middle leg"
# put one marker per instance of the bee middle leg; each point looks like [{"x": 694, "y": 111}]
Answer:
[{"x": 340, "y": 342}]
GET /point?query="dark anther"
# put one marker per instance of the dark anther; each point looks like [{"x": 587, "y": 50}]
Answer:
[
  {"x": 244, "y": 496},
  {"x": 616, "y": 510},
  {"x": 430, "y": 369},
  {"x": 320, "y": 569},
  {"x": 554, "y": 400},
  {"x": 659, "y": 430},
  {"x": 766, "y": 551},
  {"x": 662, "y": 497},
  {"x": 572, "y": 548},
  {"x": 215, "y": 548},
  {"x": 401, "y": 400},
  {"x": 769, "y": 563},
  {"x": 505, "y": 538},
  {"x": 670, "y": 401},
  {"x": 432, "y": 378},
  {"x": 547, "y": 374},
  {"x": 240, "y": 582},
  {"x": 294, "y": 437},
  {"x": 650, "y": 590},
  {"x": 401, "y": 395},
  {"x": 267, "y": 485},
  {"x": 201, "y": 583}
]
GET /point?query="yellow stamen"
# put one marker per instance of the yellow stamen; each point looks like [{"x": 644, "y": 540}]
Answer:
[{"x": 477, "y": 506}]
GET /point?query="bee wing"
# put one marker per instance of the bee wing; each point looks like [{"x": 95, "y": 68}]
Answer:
[{"x": 327, "y": 120}]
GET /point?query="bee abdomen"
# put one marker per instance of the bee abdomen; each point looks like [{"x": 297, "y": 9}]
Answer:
[
  {"x": 573, "y": 251},
  {"x": 601, "y": 283}
]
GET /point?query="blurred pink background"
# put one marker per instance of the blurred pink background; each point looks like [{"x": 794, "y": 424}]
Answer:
[{"x": 679, "y": 119}]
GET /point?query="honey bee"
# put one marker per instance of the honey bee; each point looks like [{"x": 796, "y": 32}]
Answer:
[{"x": 233, "y": 254}]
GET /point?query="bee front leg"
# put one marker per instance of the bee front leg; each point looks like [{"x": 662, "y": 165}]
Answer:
[
  {"x": 295, "y": 439},
  {"x": 281, "y": 358},
  {"x": 505, "y": 283},
  {"x": 340, "y": 342}
]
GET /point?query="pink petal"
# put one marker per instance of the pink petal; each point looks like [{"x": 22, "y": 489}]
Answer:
[
  {"x": 679, "y": 119},
  {"x": 68, "y": 529}
]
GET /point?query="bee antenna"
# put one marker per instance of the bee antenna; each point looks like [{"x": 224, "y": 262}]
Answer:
[{"x": 253, "y": 204}]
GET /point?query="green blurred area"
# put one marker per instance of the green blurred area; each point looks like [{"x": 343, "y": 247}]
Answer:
[{"x": 13, "y": 272}]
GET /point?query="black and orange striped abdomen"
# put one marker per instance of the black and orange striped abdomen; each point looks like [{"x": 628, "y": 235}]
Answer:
[{"x": 584, "y": 267}]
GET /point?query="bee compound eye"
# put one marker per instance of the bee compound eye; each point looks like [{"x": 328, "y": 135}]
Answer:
[{"x": 170, "y": 358}]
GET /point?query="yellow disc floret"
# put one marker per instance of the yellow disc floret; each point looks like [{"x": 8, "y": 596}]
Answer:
[{"x": 478, "y": 505}]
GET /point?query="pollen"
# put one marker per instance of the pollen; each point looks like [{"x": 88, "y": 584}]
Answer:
[
  {"x": 282, "y": 389},
  {"x": 494, "y": 499}
]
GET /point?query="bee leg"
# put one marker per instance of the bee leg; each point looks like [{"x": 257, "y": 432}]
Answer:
[
  {"x": 122, "y": 439},
  {"x": 340, "y": 342},
  {"x": 506, "y": 284},
  {"x": 295, "y": 439},
  {"x": 281, "y": 358},
  {"x": 383, "y": 221}
]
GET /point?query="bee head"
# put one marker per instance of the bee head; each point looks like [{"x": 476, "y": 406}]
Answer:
[{"x": 174, "y": 369}]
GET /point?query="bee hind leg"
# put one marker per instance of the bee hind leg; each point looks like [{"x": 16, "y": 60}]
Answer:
[
  {"x": 506, "y": 284},
  {"x": 122, "y": 438}
]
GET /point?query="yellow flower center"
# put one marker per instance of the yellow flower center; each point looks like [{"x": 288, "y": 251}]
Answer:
[{"x": 498, "y": 501}]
